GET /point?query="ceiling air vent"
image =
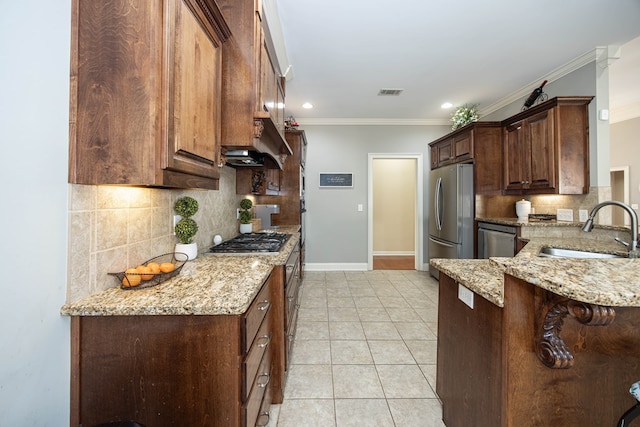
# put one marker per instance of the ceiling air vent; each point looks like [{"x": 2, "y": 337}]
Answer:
[{"x": 390, "y": 92}]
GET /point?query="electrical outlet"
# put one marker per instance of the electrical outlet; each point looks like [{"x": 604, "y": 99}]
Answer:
[
  {"x": 465, "y": 295},
  {"x": 583, "y": 215},
  {"x": 565, "y": 215},
  {"x": 238, "y": 210}
]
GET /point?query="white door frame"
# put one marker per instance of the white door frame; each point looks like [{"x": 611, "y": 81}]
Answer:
[
  {"x": 419, "y": 240},
  {"x": 625, "y": 185}
]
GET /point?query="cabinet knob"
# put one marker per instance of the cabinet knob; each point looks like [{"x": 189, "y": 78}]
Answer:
[
  {"x": 264, "y": 382},
  {"x": 267, "y": 340},
  {"x": 263, "y": 419},
  {"x": 264, "y": 305}
]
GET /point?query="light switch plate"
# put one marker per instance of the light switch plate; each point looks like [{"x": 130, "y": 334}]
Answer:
[
  {"x": 565, "y": 215},
  {"x": 465, "y": 295}
]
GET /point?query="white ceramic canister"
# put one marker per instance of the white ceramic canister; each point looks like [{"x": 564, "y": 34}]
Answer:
[{"x": 523, "y": 209}]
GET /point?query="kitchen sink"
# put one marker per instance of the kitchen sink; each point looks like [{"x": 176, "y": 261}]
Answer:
[{"x": 570, "y": 253}]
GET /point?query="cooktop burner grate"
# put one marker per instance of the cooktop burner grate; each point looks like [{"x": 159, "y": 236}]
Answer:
[{"x": 252, "y": 243}]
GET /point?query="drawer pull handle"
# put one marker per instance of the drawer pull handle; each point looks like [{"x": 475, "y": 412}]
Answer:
[
  {"x": 263, "y": 384},
  {"x": 265, "y": 305},
  {"x": 261, "y": 422},
  {"x": 267, "y": 339}
]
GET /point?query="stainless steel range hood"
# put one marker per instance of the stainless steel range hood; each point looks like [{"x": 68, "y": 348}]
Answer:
[
  {"x": 267, "y": 148},
  {"x": 249, "y": 158},
  {"x": 241, "y": 158}
]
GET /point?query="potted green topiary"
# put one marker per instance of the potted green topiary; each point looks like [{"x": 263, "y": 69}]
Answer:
[
  {"x": 246, "y": 216},
  {"x": 186, "y": 228}
]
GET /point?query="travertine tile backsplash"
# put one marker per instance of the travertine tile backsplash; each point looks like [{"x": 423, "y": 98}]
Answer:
[
  {"x": 504, "y": 206},
  {"x": 111, "y": 228}
]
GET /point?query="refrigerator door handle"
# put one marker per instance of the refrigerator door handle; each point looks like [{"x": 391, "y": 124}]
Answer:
[
  {"x": 440, "y": 242},
  {"x": 438, "y": 203}
]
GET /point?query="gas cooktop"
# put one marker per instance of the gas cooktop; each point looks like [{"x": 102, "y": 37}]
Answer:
[{"x": 252, "y": 244}]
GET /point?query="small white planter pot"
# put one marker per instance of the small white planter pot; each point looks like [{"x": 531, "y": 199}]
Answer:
[
  {"x": 190, "y": 249},
  {"x": 246, "y": 228}
]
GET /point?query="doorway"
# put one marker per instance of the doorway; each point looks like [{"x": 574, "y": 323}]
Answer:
[
  {"x": 395, "y": 212},
  {"x": 620, "y": 192}
]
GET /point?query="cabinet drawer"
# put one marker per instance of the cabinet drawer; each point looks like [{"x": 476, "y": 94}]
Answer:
[
  {"x": 259, "y": 351},
  {"x": 254, "y": 316},
  {"x": 291, "y": 333},
  {"x": 252, "y": 406},
  {"x": 265, "y": 409},
  {"x": 292, "y": 292}
]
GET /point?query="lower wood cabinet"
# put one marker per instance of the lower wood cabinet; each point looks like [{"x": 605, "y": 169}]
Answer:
[
  {"x": 284, "y": 323},
  {"x": 192, "y": 370}
]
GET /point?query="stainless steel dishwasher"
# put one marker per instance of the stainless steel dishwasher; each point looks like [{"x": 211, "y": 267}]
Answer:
[{"x": 496, "y": 240}]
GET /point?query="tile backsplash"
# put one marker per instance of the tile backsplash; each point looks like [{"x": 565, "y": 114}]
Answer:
[
  {"x": 111, "y": 228},
  {"x": 504, "y": 206}
]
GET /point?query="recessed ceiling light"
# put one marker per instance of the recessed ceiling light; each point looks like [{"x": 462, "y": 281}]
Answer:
[
  {"x": 307, "y": 105},
  {"x": 446, "y": 105}
]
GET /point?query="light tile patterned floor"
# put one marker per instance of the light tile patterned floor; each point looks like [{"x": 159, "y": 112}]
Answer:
[{"x": 365, "y": 352}]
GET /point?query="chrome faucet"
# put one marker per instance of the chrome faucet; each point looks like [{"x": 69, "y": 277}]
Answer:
[{"x": 633, "y": 245}]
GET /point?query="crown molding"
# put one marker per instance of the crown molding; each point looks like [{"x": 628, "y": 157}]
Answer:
[
  {"x": 524, "y": 91},
  {"x": 331, "y": 121},
  {"x": 556, "y": 74}
]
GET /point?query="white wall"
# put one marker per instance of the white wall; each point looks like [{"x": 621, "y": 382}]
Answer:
[
  {"x": 336, "y": 232},
  {"x": 625, "y": 151},
  {"x": 34, "y": 362}
]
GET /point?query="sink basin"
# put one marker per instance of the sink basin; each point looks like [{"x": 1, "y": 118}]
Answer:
[{"x": 570, "y": 253}]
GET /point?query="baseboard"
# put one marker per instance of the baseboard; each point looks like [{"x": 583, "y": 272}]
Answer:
[
  {"x": 393, "y": 253},
  {"x": 317, "y": 266}
]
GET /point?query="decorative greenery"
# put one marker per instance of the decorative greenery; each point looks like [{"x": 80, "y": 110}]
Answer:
[
  {"x": 464, "y": 115},
  {"x": 245, "y": 215},
  {"x": 186, "y": 206},
  {"x": 186, "y": 228}
]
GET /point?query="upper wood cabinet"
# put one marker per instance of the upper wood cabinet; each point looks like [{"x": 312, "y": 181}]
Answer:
[
  {"x": 252, "y": 87},
  {"x": 546, "y": 148},
  {"x": 146, "y": 90},
  {"x": 478, "y": 142}
]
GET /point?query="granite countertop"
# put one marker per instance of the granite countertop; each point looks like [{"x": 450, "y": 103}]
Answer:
[
  {"x": 612, "y": 282},
  {"x": 208, "y": 285},
  {"x": 546, "y": 223}
]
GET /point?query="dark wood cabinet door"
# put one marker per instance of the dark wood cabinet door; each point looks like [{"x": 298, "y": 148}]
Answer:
[
  {"x": 543, "y": 153},
  {"x": 516, "y": 157},
  {"x": 546, "y": 148},
  {"x": 194, "y": 142},
  {"x": 463, "y": 145},
  {"x": 194, "y": 130},
  {"x": 146, "y": 93}
]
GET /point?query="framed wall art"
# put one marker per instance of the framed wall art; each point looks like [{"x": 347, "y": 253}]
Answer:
[{"x": 336, "y": 180}]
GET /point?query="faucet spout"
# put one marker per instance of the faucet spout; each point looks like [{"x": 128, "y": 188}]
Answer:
[{"x": 633, "y": 244}]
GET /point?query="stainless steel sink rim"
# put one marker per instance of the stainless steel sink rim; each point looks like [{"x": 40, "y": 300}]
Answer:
[{"x": 571, "y": 253}]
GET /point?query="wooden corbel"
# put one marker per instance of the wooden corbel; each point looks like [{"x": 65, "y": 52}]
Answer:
[{"x": 550, "y": 347}]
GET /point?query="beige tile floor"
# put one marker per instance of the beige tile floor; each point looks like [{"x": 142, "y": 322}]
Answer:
[{"x": 365, "y": 352}]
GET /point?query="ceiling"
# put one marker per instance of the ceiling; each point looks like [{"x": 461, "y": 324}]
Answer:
[{"x": 340, "y": 53}]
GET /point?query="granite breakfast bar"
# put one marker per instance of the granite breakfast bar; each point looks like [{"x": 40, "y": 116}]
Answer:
[
  {"x": 206, "y": 347},
  {"x": 538, "y": 341}
]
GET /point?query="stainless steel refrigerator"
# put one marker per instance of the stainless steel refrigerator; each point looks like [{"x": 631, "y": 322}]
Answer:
[{"x": 451, "y": 213}]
